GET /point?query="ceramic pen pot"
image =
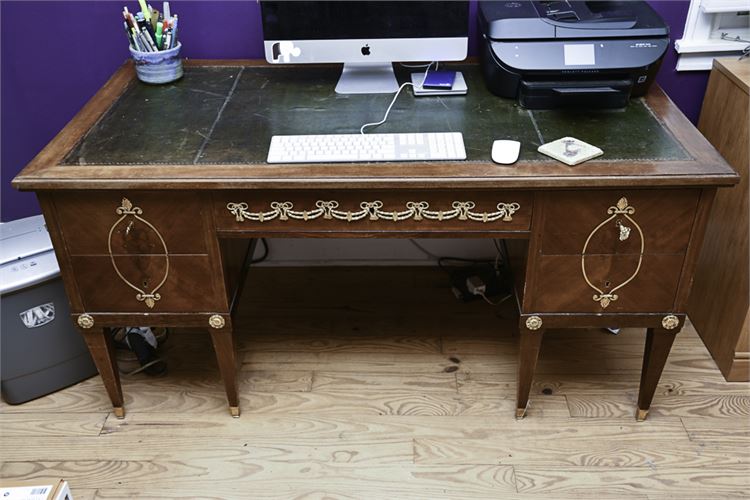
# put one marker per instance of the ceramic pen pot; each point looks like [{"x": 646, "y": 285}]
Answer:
[{"x": 163, "y": 66}]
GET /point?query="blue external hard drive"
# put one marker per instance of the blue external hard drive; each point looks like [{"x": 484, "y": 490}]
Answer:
[
  {"x": 457, "y": 87},
  {"x": 440, "y": 80}
]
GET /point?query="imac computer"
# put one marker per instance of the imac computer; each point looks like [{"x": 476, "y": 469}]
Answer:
[{"x": 366, "y": 36}]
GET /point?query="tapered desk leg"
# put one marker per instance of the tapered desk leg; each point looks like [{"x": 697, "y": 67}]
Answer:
[
  {"x": 531, "y": 341},
  {"x": 224, "y": 346},
  {"x": 658, "y": 344},
  {"x": 99, "y": 342}
]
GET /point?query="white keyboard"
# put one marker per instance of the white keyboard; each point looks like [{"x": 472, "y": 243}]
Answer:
[{"x": 370, "y": 147}]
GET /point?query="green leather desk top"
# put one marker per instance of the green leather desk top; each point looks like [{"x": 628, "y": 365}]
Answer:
[
  {"x": 227, "y": 115},
  {"x": 212, "y": 129}
]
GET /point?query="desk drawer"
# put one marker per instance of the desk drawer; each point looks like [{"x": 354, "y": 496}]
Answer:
[
  {"x": 380, "y": 211},
  {"x": 86, "y": 219},
  {"x": 188, "y": 285},
  {"x": 665, "y": 217},
  {"x": 618, "y": 251},
  {"x": 561, "y": 287}
]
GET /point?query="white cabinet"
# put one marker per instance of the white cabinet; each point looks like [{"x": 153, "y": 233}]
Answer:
[{"x": 706, "y": 21}]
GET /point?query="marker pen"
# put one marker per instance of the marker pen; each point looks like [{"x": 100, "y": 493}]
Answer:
[
  {"x": 174, "y": 30},
  {"x": 127, "y": 33},
  {"x": 168, "y": 39},
  {"x": 137, "y": 39},
  {"x": 154, "y": 19},
  {"x": 144, "y": 42},
  {"x": 144, "y": 9},
  {"x": 145, "y": 30},
  {"x": 159, "y": 35}
]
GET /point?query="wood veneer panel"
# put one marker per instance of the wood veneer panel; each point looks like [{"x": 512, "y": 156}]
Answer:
[
  {"x": 665, "y": 217},
  {"x": 87, "y": 217},
  {"x": 102, "y": 289},
  {"x": 720, "y": 301},
  {"x": 562, "y": 288}
]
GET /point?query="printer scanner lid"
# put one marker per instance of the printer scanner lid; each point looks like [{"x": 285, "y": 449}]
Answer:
[{"x": 568, "y": 19}]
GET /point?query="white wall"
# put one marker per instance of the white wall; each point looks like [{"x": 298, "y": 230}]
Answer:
[{"x": 370, "y": 252}]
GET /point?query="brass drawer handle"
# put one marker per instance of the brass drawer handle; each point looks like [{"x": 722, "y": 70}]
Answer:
[
  {"x": 125, "y": 210},
  {"x": 625, "y": 210},
  {"x": 416, "y": 210}
]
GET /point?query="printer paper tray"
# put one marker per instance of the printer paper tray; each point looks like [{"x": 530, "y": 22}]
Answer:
[{"x": 590, "y": 94}]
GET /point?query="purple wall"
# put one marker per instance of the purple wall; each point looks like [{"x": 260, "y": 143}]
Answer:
[
  {"x": 685, "y": 88},
  {"x": 47, "y": 79}
]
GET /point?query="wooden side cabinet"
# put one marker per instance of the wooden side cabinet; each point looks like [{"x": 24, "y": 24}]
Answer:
[{"x": 720, "y": 298}]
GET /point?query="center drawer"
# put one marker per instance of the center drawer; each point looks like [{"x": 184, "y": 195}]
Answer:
[{"x": 382, "y": 211}]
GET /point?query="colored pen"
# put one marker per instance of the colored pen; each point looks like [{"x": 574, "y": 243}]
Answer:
[
  {"x": 136, "y": 40},
  {"x": 144, "y": 26},
  {"x": 159, "y": 34},
  {"x": 133, "y": 31},
  {"x": 148, "y": 41},
  {"x": 142, "y": 42},
  {"x": 149, "y": 30},
  {"x": 154, "y": 18},
  {"x": 174, "y": 30},
  {"x": 144, "y": 9},
  {"x": 127, "y": 32},
  {"x": 126, "y": 16},
  {"x": 144, "y": 46},
  {"x": 168, "y": 39}
]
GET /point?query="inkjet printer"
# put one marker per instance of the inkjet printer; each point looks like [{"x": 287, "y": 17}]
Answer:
[{"x": 549, "y": 54}]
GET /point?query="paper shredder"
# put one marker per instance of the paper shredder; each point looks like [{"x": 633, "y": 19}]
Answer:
[{"x": 40, "y": 350}]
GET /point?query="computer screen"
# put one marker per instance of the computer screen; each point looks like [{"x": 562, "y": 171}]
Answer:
[{"x": 366, "y": 36}]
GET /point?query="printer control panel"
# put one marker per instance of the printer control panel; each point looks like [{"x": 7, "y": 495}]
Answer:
[{"x": 580, "y": 55}]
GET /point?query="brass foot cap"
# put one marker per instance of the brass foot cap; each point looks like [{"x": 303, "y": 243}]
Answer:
[
  {"x": 520, "y": 412},
  {"x": 119, "y": 411},
  {"x": 641, "y": 415},
  {"x": 234, "y": 411}
]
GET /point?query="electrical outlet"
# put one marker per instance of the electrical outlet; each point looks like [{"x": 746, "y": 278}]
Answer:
[
  {"x": 475, "y": 285},
  {"x": 494, "y": 285}
]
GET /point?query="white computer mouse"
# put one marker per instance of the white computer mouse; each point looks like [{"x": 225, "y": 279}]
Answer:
[{"x": 505, "y": 151}]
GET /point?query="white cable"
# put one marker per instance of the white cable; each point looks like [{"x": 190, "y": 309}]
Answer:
[
  {"x": 387, "y": 111},
  {"x": 495, "y": 303},
  {"x": 415, "y": 66}
]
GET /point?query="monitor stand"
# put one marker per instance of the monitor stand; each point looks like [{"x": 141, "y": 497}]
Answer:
[{"x": 364, "y": 78}]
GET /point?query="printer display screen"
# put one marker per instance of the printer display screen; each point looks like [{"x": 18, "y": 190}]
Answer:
[{"x": 579, "y": 55}]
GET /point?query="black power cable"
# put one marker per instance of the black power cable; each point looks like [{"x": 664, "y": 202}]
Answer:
[{"x": 265, "y": 252}]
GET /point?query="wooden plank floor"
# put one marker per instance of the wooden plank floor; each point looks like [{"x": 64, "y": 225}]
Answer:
[{"x": 377, "y": 383}]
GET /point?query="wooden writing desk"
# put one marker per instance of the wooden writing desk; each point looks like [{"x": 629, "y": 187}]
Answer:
[{"x": 154, "y": 195}]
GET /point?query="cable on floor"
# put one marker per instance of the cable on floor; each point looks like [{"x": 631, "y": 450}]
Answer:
[{"x": 441, "y": 260}]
